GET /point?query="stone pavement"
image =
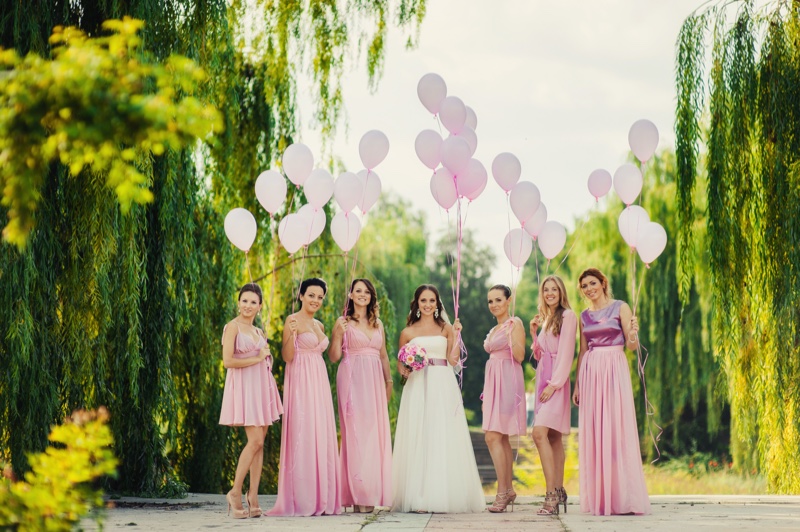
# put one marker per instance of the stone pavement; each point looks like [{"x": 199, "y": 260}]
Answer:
[{"x": 685, "y": 513}]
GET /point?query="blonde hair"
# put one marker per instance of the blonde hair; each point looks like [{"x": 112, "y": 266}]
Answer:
[{"x": 554, "y": 319}]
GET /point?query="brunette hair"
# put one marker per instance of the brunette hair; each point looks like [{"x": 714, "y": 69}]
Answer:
[
  {"x": 594, "y": 272},
  {"x": 554, "y": 318},
  {"x": 412, "y": 314},
  {"x": 503, "y": 288},
  {"x": 372, "y": 306},
  {"x": 313, "y": 281},
  {"x": 252, "y": 287}
]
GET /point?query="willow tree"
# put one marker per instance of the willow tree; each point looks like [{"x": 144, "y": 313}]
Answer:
[
  {"x": 749, "y": 98},
  {"x": 126, "y": 310}
]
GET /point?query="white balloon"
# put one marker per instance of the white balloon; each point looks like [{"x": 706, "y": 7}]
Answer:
[
  {"x": 631, "y": 219},
  {"x": 241, "y": 228},
  {"x": 431, "y": 90},
  {"x": 643, "y": 139},
  {"x": 455, "y": 154},
  {"x": 428, "y": 146},
  {"x": 443, "y": 188},
  {"x": 599, "y": 183},
  {"x": 293, "y": 232},
  {"x": 472, "y": 118},
  {"x": 371, "y": 183},
  {"x": 518, "y": 247},
  {"x": 628, "y": 183},
  {"x": 271, "y": 190},
  {"x": 315, "y": 218},
  {"x": 345, "y": 230},
  {"x": 552, "y": 239},
  {"x": 373, "y": 148},
  {"x": 318, "y": 188},
  {"x": 298, "y": 161},
  {"x": 651, "y": 240},
  {"x": 536, "y": 223},
  {"x": 348, "y": 191},
  {"x": 453, "y": 114},
  {"x": 506, "y": 170},
  {"x": 472, "y": 181},
  {"x": 468, "y": 134},
  {"x": 524, "y": 199}
]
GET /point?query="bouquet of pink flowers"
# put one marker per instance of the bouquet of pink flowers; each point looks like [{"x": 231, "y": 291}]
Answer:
[{"x": 413, "y": 356}]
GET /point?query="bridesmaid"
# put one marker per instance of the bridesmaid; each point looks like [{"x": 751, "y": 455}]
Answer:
[
  {"x": 554, "y": 348},
  {"x": 611, "y": 476},
  {"x": 250, "y": 399},
  {"x": 364, "y": 388},
  {"x": 308, "y": 479},
  {"x": 503, "y": 393}
]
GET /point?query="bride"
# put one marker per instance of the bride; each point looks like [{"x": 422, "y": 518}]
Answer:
[{"x": 434, "y": 466}]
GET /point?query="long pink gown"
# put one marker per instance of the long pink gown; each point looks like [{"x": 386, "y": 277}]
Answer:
[
  {"x": 503, "y": 384},
  {"x": 308, "y": 479},
  {"x": 611, "y": 476},
  {"x": 555, "y": 355},
  {"x": 251, "y": 396},
  {"x": 366, "y": 456}
]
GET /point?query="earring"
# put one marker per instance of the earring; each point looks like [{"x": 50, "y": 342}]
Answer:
[
  {"x": 417, "y": 313},
  {"x": 436, "y": 313}
]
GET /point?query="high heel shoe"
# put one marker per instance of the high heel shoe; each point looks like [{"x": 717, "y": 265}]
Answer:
[
  {"x": 550, "y": 505},
  {"x": 253, "y": 511},
  {"x": 237, "y": 514},
  {"x": 562, "y": 497},
  {"x": 501, "y": 502}
]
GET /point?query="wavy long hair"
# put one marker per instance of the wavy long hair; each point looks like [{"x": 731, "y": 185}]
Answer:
[
  {"x": 373, "y": 308},
  {"x": 412, "y": 314},
  {"x": 554, "y": 318}
]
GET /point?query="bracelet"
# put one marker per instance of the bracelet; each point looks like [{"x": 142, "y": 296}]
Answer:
[{"x": 389, "y": 381}]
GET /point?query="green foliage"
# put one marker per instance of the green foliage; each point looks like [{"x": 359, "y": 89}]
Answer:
[
  {"x": 58, "y": 491},
  {"x": 753, "y": 184}
]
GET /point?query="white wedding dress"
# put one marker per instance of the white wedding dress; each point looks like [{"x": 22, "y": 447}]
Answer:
[{"x": 434, "y": 466}]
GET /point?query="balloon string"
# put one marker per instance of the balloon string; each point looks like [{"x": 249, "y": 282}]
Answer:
[
  {"x": 576, "y": 237},
  {"x": 272, "y": 280},
  {"x": 536, "y": 260}
]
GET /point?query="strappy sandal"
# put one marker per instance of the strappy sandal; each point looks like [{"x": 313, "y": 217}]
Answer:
[
  {"x": 562, "y": 497},
  {"x": 502, "y": 500},
  {"x": 550, "y": 505}
]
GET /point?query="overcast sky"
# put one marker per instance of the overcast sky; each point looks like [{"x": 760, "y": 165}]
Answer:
[{"x": 557, "y": 83}]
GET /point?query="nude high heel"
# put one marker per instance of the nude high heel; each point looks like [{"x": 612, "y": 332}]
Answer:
[{"x": 237, "y": 514}]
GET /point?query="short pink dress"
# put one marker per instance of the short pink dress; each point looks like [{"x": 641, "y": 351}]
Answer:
[
  {"x": 555, "y": 355},
  {"x": 251, "y": 396},
  {"x": 366, "y": 456},
  {"x": 611, "y": 476},
  {"x": 308, "y": 479},
  {"x": 503, "y": 384}
]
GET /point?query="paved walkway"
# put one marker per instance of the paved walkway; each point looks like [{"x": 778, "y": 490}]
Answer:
[{"x": 670, "y": 513}]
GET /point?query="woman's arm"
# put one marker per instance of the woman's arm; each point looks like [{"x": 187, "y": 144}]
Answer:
[
  {"x": 630, "y": 327},
  {"x": 228, "y": 360},
  {"x": 337, "y": 339},
  {"x": 518, "y": 340},
  {"x": 566, "y": 350},
  {"x": 453, "y": 347},
  {"x": 534, "y": 325},
  {"x": 387, "y": 370},
  {"x": 404, "y": 339},
  {"x": 289, "y": 337},
  {"x": 576, "y": 395}
]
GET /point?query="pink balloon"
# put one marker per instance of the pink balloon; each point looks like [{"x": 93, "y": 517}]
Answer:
[
  {"x": 472, "y": 119},
  {"x": 318, "y": 188},
  {"x": 472, "y": 181},
  {"x": 240, "y": 228},
  {"x": 518, "y": 247},
  {"x": 293, "y": 232},
  {"x": 468, "y": 134},
  {"x": 428, "y": 147},
  {"x": 631, "y": 220},
  {"x": 315, "y": 219},
  {"x": 271, "y": 190},
  {"x": 298, "y": 161},
  {"x": 431, "y": 90},
  {"x": 371, "y": 183},
  {"x": 348, "y": 191},
  {"x": 524, "y": 199},
  {"x": 455, "y": 154},
  {"x": 453, "y": 114},
  {"x": 628, "y": 183},
  {"x": 552, "y": 239},
  {"x": 373, "y": 148},
  {"x": 599, "y": 183},
  {"x": 651, "y": 240},
  {"x": 443, "y": 188},
  {"x": 345, "y": 230},
  {"x": 643, "y": 139},
  {"x": 506, "y": 170},
  {"x": 536, "y": 223}
]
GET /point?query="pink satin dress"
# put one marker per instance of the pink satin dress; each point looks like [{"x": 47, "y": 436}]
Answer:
[
  {"x": 308, "y": 479},
  {"x": 503, "y": 384},
  {"x": 611, "y": 476}
]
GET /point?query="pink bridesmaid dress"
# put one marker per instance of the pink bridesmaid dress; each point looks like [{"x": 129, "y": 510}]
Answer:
[
  {"x": 611, "y": 476},
  {"x": 251, "y": 396},
  {"x": 366, "y": 456},
  {"x": 555, "y": 355},
  {"x": 308, "y": 478},
  {"x": 503, "y": 384}
]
